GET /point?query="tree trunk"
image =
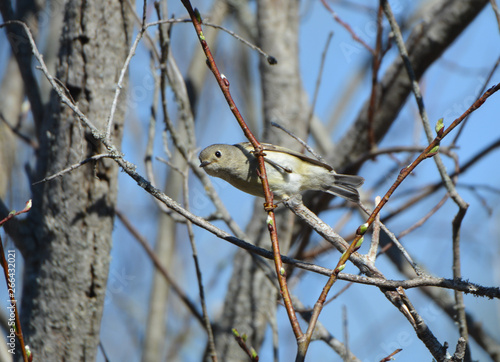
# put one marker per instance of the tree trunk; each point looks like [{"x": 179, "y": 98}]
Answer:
[{"x": 68, "y": 231}]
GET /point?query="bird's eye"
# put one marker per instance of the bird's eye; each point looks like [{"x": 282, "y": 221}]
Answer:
[{"x": 218, "y": 154}]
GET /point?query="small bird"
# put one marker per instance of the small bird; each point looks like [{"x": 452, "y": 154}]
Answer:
[{"x": 288, "y": 172}]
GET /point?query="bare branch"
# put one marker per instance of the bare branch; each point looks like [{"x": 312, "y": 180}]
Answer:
[{"x": 75, "y": 166}]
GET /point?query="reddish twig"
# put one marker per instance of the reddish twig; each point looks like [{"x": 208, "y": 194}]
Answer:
[
  {"x": 269, "y": 204},
  {"x": 425, "y": 218},
  {"x": 9, "y": 279},
  {"x": 391, "y": 356},
  {"x": 485, "y": 84},
  {"x": 429, "y": 152},
  {"x": 347, "y": 27},
  {"x": 242, "y": 342}
]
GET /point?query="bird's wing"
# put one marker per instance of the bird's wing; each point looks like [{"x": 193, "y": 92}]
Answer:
[{"x": 270, "y": 147}]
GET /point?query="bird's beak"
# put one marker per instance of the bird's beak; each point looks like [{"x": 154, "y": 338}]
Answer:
[{"x": 205, "y": 163}]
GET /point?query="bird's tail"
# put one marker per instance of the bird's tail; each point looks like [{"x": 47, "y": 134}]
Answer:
[{"x": 345, "y": 186}]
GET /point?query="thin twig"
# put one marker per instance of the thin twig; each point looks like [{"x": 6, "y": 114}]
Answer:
[
  {"x": 429, "y": 152},
  {"x": 347, "y": 27},
  {"x": 21, "y": 52},
  {"x": 377, "y": 60},
  {"x": 119, "y": 84},
  {"x": 485, "y": 84},
  {"x": 496, "y": 11},
  {"x": 390, "y": 150},
  {"x": 442, "y": 170},
  {"x": 426, "y": 191},
  {"x": 148, "y": 153},
  {"x": 62, "y": 92},
  {"x": 395, "y": 240},
  {"x": 211, "y": 341},
  {"x": 273, "y": 323},
  {"x": 322, "y": 333},
  {"x": 461, "y": 318},
  {"x": 21, "y": 136},
  {"x": 242, "y": 342},
  {"x": 318, "y": 81},
  {"x": 75, "y": 166},
  {"x": 10, "y": 280},
  {"x": 269, "y": 205},
  {"x": 298, "y": 139},
  {"x": 420, "y": 102},
  {"x": 340, "y": 292},
  {"x": 105, "y": 355},
  {"x": 159, "y": 266},
  {"x": 422, "y": 329},
  {"x": 150, "y": 41},
  {"x": 345, "y": 328},
  {"x": 391, "y": 356},
  {"x": 170, "y": 70},
  {"x": 270, "y": 59},
  {"x": 426, "y": 217}
]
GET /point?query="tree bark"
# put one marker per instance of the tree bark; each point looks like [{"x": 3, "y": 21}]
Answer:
[{"x": 67, "y": 235}]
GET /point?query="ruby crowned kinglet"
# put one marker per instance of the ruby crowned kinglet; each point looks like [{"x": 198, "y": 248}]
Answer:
[{"x": 288, "y": 172}]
